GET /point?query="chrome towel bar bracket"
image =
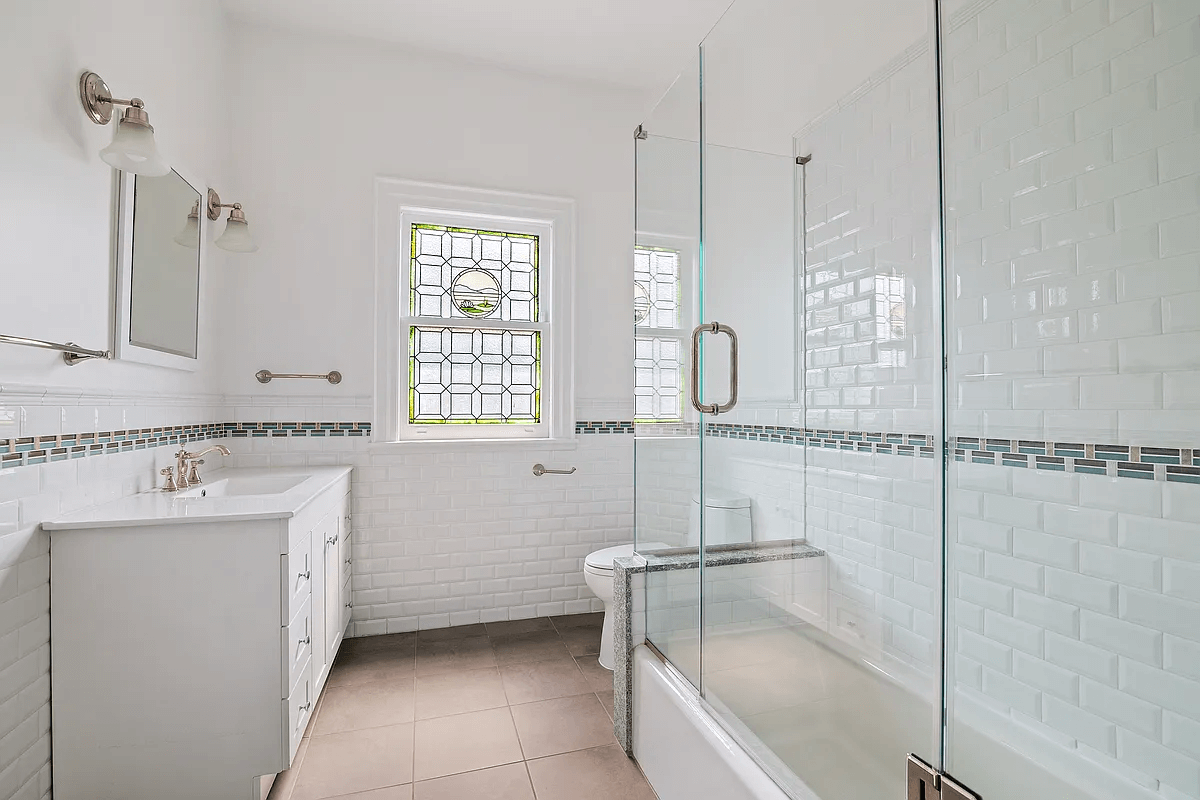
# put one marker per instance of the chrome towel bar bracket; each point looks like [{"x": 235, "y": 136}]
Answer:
[
  {"x": 540, "y": 470},
  {"x": 266, "y": 376},
  {"x": 72, "y": 353}
]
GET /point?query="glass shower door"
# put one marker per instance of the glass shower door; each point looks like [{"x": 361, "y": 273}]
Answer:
[
  {"x": 667, "y": 458},
  {"x": 822, "y": 644}
]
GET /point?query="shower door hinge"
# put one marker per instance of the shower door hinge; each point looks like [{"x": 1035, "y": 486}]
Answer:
[
  {"x": 926, "y": 783},
  {"x": 802, "y": 160},
  {"x": 640, "y": 133}
]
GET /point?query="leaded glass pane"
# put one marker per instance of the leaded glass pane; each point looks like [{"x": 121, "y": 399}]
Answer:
[
  {"x": 476, "y": 274},
  {"x": 465, "y": 375},
  {"x": 658, "y": 378},
  {"x": 656, "y": 291}
]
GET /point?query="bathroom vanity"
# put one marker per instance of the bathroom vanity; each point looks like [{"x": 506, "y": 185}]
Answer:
[{"x": 192, "y": 632}]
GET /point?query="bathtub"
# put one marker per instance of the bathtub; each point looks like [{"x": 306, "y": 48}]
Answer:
[{"x": 683, "y": 751}]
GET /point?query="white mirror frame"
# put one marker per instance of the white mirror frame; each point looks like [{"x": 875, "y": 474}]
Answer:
[{"x": 124, "y": 349}]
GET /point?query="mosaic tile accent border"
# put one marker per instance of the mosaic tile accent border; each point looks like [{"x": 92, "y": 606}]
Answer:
[
  {"x": 31, "y": 451},
  {"x": 1173, "y": 464},
  {"x": 615, "y": 426}
]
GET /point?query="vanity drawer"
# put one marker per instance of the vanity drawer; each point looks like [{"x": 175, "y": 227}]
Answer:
[
  {"x": 347, "y": 604},
  {"x": 297, "y": 708},
  {"x": 297, "y": 643},
  {"x": 297, "y": 578}
]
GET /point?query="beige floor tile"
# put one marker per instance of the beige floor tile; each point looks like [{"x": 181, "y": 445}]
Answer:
[
  {"x": 356, "y": 761},
  {"x": 510, "y": 782},
  {"x": 391, "y": 793},
  {"x": 459, "y": 692},
  {"x": 285, "y": 781},
  {"x": 562, "y": 725},
  {"x": 598, "y": 678},
  {"x": 594, "y": 620},
  {"x": 390, "y": 641},
  {"x": 581, "y": 641},
  {"x": 604, "y": 773},
  {"x": 606, "y": 699},
  {"x": 455, "y": 654},
  {"x": 536, "y": 646},
  {"x": 370, "y": 666},
  {"x": 542, "y": 680},
  {"x": 512, "y": 626},
  {"x": 452, "y": 632},
  {"x": 465, "y": 742},
  {"x": 365, "y": 705}
]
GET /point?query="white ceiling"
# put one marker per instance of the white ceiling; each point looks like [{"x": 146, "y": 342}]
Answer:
[{"x": 638, "y": 44}]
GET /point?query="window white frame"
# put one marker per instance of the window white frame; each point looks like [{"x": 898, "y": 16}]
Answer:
[{"x": 398, "y": 205}]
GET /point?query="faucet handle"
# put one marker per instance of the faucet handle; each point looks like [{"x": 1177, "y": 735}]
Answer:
[
  {"x": 169, "y": 486},
  {"x": 194, "y": 476}
]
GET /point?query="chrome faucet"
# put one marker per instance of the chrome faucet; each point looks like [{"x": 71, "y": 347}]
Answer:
[{"x": 184, "y": 459}]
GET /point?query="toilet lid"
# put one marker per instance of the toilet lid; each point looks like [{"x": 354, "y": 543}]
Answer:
[{"x": 603, "y": 559}]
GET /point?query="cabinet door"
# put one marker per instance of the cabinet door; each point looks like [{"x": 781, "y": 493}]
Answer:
[
  {"x": 338, "y": 553},
  {"x": 324, "y": 531}
]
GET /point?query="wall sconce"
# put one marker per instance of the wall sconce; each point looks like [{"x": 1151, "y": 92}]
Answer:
[
  {"x": 190, "y": 235},
  {"x": 133, "y": 148},
  {"x": 236, "y": 238}
]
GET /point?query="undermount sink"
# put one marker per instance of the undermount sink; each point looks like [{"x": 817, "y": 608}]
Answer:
[{"x": 245, "y": 486}]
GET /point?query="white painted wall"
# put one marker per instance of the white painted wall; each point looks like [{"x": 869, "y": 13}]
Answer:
[{"x": 56, "y": 203}]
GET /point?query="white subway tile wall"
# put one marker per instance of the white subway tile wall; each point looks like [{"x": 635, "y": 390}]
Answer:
[{"x": 1073, "y": 185}]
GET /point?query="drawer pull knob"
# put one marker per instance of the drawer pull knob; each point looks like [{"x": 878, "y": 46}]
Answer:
[
  {"x": 305, "y": 575},
  {"x": 305, "y": 707},
  {"x": 332, "y": 540},
  {"x": 305, "y": 641},
  {"x": 348, "y": 605},
  {"x": 347, "y": 561}
]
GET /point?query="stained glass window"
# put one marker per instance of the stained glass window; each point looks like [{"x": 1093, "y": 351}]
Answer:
[
  {"x": 657, "y": 384},
  {"x": 475, "y": 342},
  {"x": 474, "y": 375},
  {"x": 462, "y": 272},
  {"x": 658, "y": 339}
]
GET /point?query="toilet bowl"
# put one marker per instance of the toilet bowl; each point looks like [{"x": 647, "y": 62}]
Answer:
[
  {"x": 726, "y": 521},
  {"x": 598, "y": 574}
]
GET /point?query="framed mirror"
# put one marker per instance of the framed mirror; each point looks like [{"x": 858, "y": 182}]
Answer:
[{"x": 161, "y": 235}]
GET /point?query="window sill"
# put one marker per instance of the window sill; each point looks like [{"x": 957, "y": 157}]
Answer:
[{"x": 435, "y": 445}]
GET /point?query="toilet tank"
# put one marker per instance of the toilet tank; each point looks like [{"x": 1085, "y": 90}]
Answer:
[{"x": 726, "y": 519}]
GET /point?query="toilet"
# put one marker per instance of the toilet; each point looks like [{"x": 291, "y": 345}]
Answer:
[{"x": 727, "y": 521}]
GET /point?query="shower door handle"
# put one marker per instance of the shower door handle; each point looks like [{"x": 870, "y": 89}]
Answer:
[{"x": 714, "y": 408}]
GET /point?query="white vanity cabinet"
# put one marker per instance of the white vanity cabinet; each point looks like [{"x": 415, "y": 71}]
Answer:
[{"x": 189, "y": 647}]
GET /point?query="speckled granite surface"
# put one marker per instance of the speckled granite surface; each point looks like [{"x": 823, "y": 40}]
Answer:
[{"x": 624, "y": 569}]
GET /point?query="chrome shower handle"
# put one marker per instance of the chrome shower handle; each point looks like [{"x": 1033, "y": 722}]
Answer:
[{"x": 714, "y": 408}]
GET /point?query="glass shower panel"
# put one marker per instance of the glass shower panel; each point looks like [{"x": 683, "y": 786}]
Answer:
[
  {"x": 825, "y": 664},
  {"x": 1073, "y": 299},
  {"x": 666, "y": 297}
]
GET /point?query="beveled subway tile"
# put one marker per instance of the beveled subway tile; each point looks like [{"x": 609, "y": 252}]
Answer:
[
  {"x": 465, "y": 742},
  {"x": 458, "y": 692},
  {"x": 356, "y": 761},
  {"x": 365, "y": 705},
  {"x": 561, "y": 725},
  {"x": 542, "y": 680},
  {"x": 508, "y": 782}
]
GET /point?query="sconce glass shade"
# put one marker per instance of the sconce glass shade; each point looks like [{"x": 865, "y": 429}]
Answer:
[
  {"x": 236, "y": 238},
  {"x": 190, "y": 235},
  {"x": 133, "y": 150}
]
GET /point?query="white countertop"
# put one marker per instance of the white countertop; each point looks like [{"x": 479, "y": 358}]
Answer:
[{"x": 170, "y": 508}]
